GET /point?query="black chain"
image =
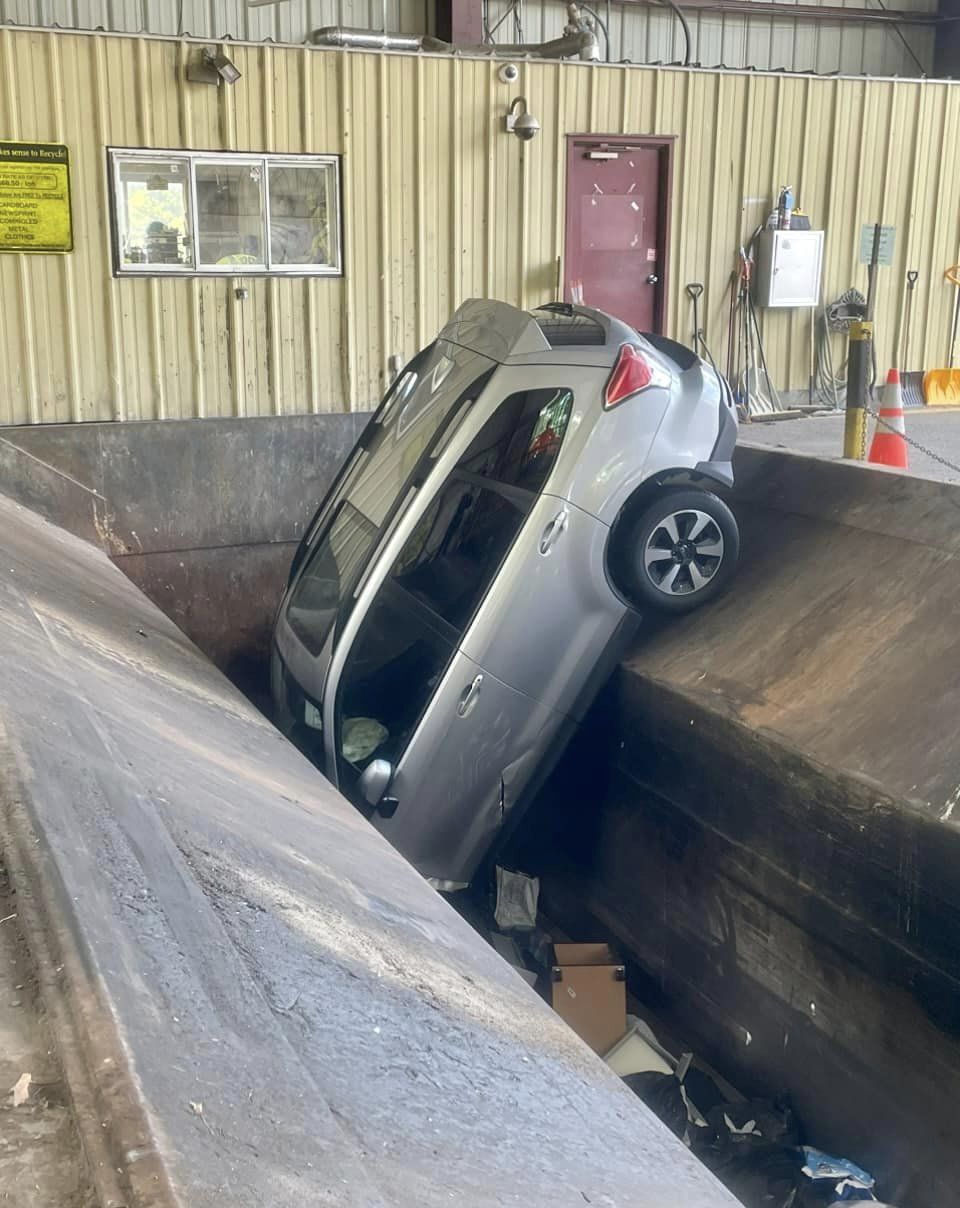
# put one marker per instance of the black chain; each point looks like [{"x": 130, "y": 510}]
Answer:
[{"x": 913, "y": 443}]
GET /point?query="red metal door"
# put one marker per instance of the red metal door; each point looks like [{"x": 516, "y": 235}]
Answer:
[{"x": 616, "y": 240}]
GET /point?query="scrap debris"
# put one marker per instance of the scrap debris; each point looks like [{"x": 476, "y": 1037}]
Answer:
[{"x": 21, "y": 1089}]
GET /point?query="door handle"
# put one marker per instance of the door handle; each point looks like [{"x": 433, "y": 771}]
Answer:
[
  {"x": 554, "y": 530},
  {"x": 468, "y": 697},
  {"x": 653, "y": 279}
]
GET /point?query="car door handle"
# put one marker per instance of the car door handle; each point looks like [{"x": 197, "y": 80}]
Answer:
[
  {"x": 468, "y": 698},
  {"x": 554, "y": 531}
]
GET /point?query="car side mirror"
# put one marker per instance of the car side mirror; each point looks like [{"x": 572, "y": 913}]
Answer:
[{"x": 375, "y": 780}]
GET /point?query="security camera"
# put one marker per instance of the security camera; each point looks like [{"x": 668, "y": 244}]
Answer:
[
  {"x": 520, "y": 121},
  {"x": 526, "y": 127},
  {"x": 509, "y": 73},
  {"x": 212, "y": 67}
]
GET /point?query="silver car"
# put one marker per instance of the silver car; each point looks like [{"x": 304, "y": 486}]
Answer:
[{"x": 531, "y": 483}]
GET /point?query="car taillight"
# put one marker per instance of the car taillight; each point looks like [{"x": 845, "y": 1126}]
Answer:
[{"x": 631, "y": 373}]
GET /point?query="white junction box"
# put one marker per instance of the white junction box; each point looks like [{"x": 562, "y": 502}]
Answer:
[{"x": 788, "y": 268}]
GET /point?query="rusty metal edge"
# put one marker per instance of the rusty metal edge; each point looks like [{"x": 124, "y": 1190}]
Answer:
[{"x": 122, "y": 1155}]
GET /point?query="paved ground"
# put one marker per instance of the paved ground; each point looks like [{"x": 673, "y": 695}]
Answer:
[{"x": 937, "y": 430}]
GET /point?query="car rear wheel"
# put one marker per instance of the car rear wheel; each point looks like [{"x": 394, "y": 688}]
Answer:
[{"x": 681, "y": 550}]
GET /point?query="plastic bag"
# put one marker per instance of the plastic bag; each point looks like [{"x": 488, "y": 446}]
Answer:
[{"x": 517, "y": 896}]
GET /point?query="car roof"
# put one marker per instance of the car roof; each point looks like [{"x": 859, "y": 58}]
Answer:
[{"x": 558, "y": 333}]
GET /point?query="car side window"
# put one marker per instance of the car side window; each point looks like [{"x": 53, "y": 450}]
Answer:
[
  {"x": 414, "y": 625},
  {"x": 519, "y": 443},
  {"x": 455, "y": 551},
  {"x": 396, "y": 662}
]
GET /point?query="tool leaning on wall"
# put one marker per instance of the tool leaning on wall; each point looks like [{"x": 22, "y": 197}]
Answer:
[{"x": 941, "y": 387}]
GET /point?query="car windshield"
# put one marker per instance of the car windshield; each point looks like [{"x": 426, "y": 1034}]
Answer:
[
  {"x": 420, "y": 401},
  {"x": 329, "y": 576}
]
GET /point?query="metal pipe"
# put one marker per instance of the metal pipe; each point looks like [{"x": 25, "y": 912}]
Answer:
[
  {"x": 603, "y": 25},
  {"x": 367, "y": 39},
  {"x": 685, "y": 27},
  {"x": 584, "y": 43}
]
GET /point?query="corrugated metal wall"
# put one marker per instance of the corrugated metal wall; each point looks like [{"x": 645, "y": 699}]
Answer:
[
  {"x": 440, "y": 205},
  {"x": 283, "y": 21},
  {"x": 652, "y": 35},
  {"x": 639, "y": 34}
]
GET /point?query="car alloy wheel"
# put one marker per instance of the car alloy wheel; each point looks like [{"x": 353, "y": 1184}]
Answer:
[{"x": 683, "y": 552}]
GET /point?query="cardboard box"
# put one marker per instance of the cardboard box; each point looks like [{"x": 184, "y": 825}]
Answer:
[{"x": 590, "y": 993}]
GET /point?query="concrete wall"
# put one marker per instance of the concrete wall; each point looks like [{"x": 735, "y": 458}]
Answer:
[
  {"x": 762, "y": 815},
  {"x": 261, "y": 1002},
  {"x": 439, "y": 205},
  {"x": 204, "y": 518}
]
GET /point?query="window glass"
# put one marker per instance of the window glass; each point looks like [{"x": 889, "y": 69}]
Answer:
[
  {"x": 301, "y": 203},
  {"x": 455, "y": 551},
  {"x": 397, "y": 660},
  {"x": 565, "y": 329},
  {"x": 230, "y": 213},
  {"x": 209, "y": 212},
  {"x": 153, "y": 212},
  {"x": 329, "y": 576},
  {"x": 401, "y": 440},
  {"x": 520, "y": 442}
]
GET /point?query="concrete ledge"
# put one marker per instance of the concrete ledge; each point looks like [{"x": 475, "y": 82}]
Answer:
[
  {"x": 273, "y": 1005},
  {"x": 837, "y": 635}
]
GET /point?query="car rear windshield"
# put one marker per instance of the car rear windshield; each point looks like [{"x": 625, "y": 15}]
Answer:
[{"x": 567, "y": 329}]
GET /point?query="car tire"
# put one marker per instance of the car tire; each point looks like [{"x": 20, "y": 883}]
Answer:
[{"x": 681, "y": 551}]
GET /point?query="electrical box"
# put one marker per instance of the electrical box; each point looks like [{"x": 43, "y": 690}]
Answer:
[{"x": 788, "y": 268}]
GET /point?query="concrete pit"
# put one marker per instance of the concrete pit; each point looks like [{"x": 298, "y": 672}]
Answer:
[{"x": 758, "y": 811}]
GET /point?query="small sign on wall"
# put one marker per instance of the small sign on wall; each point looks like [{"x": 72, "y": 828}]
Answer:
[
  {"x": 884, "y": 247},
  {"x": 35, "y": 198}
]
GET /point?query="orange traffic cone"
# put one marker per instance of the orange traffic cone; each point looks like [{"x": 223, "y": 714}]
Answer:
[{"x": 889, "y": 447}]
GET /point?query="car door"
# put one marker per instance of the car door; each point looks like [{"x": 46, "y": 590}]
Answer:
[
  {"x": 547, "y": 623},
  {"x": 458, "y": 741},
  {"x": 458, "y": 780},
  {"x": 552, "y": 618}
]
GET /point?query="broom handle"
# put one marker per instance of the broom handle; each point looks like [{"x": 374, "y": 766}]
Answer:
[{"x": 912, "y": 276}]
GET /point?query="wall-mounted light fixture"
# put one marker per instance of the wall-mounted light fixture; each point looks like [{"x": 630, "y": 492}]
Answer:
[
  {"x": 212, "y": 67},
  {"x": 520, "y": 121}
]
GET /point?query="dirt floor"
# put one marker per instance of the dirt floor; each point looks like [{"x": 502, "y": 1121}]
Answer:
[
  {"x": 938, "y": 430},
  {"x": 41, "y": 1165}
]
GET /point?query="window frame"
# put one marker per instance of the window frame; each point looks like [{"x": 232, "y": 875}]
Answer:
[{"x": 118, "y": 155}]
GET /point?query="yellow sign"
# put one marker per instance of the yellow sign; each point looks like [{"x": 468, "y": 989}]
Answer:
[{"x": 35, "y": 198}]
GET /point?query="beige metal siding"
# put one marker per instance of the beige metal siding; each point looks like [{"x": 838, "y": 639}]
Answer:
[{"x": 439, "y": 205}]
